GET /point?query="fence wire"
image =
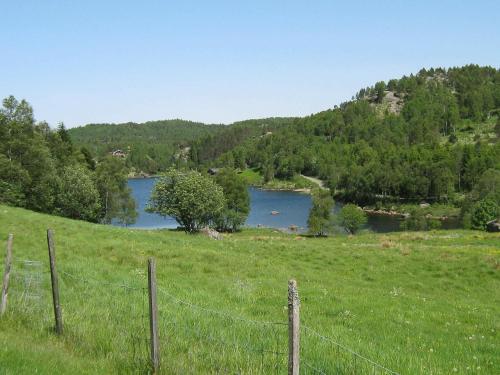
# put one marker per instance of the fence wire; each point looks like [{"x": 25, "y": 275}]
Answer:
[
  {"x": 30, "y": 277},
  {"x": 217, "y": 312},
  {"x": 351, "y": 351}
]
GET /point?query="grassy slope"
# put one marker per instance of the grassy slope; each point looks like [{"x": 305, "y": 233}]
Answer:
[{"x": 415, "y": 302}]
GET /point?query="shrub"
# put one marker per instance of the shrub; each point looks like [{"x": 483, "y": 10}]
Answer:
[
  {"x": 237, "y": 205},
  {"x": 192, "y": 199},
  {"x": 319, "y": 221},
  {"x": 352, "y": 218}
]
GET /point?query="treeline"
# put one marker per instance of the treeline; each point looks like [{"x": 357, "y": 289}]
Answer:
[
  {"x": 149, "y": 147},
  {"x": 225, "y": 139},
  {"x": 370, "y": 151},
  {"x": 42, "y": 170}
]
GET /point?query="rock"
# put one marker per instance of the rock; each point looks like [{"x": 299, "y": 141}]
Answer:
[
  {"x": 293, "y": 228},
  {"x": 211, "y": 233},
  {"x": 493, "y": 226},
  {"x": 424, "y": 205}
]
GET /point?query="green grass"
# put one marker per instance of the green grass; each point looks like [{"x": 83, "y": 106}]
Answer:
[{"x": 413, "y": 302}]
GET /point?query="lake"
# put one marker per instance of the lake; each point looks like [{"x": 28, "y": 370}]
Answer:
[{"x": 293, "y": 209}]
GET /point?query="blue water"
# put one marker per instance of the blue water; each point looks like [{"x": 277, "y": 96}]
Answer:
[{"x": 293, "y": 210}]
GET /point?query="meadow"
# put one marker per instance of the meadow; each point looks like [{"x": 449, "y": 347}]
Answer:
[{"x": 412, "y": 302}]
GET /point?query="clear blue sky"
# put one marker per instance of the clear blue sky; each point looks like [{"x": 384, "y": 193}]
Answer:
[{"x": 221, "y": 61}]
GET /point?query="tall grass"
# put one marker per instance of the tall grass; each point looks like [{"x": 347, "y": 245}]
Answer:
[{"x": 411, "y": 302}]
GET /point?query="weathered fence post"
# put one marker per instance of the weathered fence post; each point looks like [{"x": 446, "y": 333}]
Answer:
[
  {"x": 6, "y": 275},
  {"x": 153, "y": 316},
  {"x": 55, "y": 282},
  {"x": 293, "y": 328}
]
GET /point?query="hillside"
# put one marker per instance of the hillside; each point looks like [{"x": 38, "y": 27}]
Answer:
[
  {"x": 156, "y": 145},
  {"x": 412, "y": 302},
  {"x": 429, "y": 136},
  {"x": 150, "y": 146}
]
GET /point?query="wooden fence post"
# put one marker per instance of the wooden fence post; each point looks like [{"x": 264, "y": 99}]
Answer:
[
  {"x": 6, "y": 275},
  {"x": 153, "y": 316},
  {"x": 55, "y": 283},
  {"x": 293, "y": 328}
]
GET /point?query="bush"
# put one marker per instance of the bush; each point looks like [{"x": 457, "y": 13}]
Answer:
[
  {"x": 480, "y": 200},
  {"x": 352, "y": 218},
  {"x": 77, "y": 196},
  {"x": 237, "y": 205},
  {"x": 419, "y": 221},
  {"x": 192, "y": 199},
  {"x": 319, "y": 221},
  {"x": 483, "y": 212}
]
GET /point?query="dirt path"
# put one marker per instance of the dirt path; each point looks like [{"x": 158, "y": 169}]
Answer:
[{"x": 317, "y": 181}]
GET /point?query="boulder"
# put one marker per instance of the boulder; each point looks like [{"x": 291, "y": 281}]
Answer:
[
  {"x": 211, "y": 233},
  {"x": 493, "y": 226}
]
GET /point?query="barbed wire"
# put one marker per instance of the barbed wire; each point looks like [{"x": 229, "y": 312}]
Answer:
[
  {"x": 356, "y": 354},
  {"x": 100, "y": 282},
  {"x": 234, "y": 344},
  {"x": 217, "y": 312},
  {"x": 313, "y": 368}
]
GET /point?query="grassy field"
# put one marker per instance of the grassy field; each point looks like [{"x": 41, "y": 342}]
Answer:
[{"x": 413, "y": 302}]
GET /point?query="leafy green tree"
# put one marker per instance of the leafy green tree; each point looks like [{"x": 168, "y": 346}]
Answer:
[
  {"x": 192, "y": 199},
  {"x": 78, "y": 197},
  {"x": 89, "y": 160},
  {"x": 478, "y": 201},
  {"x": 320, "y": 219},
  {"x": 352, "y": 218},
  {"x": 115, "y": 195},
  {"x": 237, "y": 207},
  {"x": 127, "y": 212},
  {"x": 497, "y": 128},
  {"x": 379, "y": 91},
  {"x": 484, "y": 211}
]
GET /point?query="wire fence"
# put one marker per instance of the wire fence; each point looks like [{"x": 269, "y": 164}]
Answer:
[{"x": 194, "y": 338}]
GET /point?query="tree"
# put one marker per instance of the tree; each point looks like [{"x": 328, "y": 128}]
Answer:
[
  {"x": 497, "y": 128},
  {"x": 78, "y": 197},
  {"x": 237, "y": 200},
  {"x": 115, "y": 195},
  {"x": 484, "y": 211},
  {"x": 477, "y": 206},
  {"x": 352, "y": 218},
  {"x": 192, "y": 199},
  {"x": 91, "y": 164},
  {"x": 379, "y": 91},
  {"x": 319, "y": 220}
]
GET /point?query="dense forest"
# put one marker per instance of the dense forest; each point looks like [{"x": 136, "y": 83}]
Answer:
[
  {"x": 42, "y": 170},
  {"x": 154, "y": 146},
  {"x": 427, "y": 136},
  {"x": 149, "y": 147}
]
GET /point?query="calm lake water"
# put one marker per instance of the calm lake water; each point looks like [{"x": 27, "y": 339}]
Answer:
[{"x": 293, "y": 209}]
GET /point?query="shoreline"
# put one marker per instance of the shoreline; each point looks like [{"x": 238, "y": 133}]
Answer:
[{"x": 403, "y": 215}]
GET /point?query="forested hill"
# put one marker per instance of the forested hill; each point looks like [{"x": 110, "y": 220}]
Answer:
[
  {"x": 156, "y": 145},
  {"x": 150, "y": 146},
  {"x": 423, "y": 136}
]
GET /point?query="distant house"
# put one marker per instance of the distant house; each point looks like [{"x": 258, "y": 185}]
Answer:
[{"x": 118, "y": 154}]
